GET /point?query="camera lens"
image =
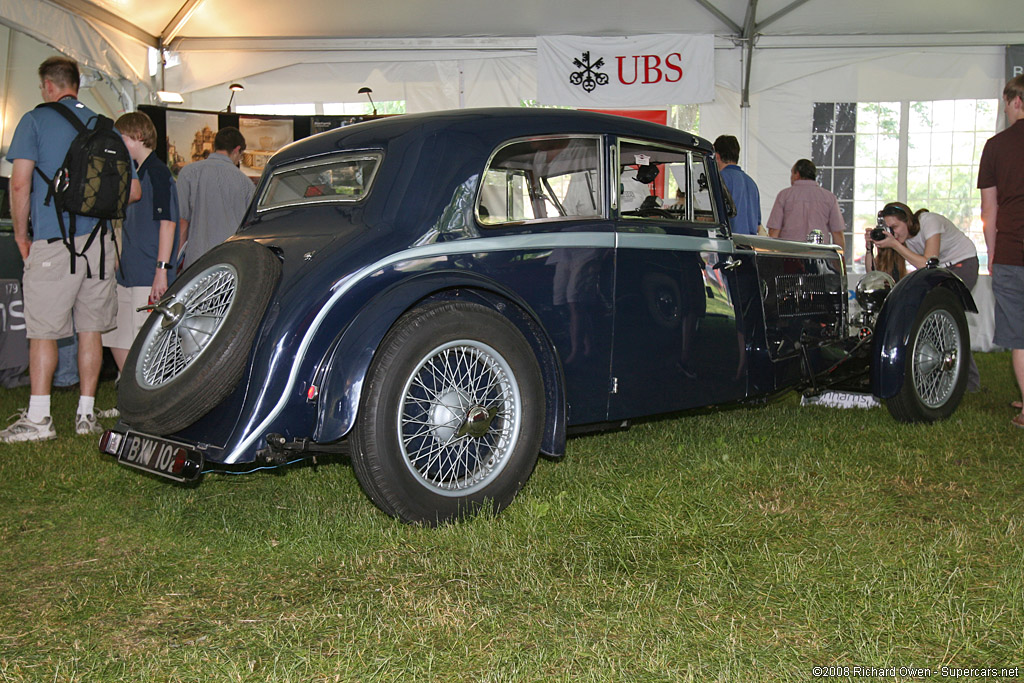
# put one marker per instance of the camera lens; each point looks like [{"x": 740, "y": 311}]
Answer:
[{"x": 878, "y": 234}]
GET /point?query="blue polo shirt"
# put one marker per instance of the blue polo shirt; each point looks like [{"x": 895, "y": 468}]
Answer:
[
  {"x": 746, "y": 197},
  {"x": 140, "y": 236}
]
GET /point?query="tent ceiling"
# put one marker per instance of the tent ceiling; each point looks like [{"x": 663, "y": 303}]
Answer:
[{"x": 187, "y": 24}]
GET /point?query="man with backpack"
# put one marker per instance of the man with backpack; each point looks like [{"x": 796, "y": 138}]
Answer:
[{"x": 69, "y": 258}]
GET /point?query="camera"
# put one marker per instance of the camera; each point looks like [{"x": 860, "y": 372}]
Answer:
[{"x": 878, "y": 234}]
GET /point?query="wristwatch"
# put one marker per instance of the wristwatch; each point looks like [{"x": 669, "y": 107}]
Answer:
[{"x": 164, "y": 264}]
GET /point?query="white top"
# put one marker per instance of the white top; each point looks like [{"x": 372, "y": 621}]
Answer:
[{"x": 954, "y": 246}]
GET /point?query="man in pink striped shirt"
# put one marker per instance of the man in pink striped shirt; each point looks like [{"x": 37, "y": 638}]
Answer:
[{"x": 806, "y": 206}]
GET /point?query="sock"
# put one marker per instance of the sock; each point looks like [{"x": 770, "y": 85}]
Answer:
[
  {"x": 85, "y": 405},
  {"x": 38, "y": 408}
]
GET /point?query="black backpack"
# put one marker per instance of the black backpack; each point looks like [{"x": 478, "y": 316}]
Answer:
[{"x": 94, "y": 180}]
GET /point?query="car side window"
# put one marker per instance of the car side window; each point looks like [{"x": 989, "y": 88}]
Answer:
[
  {"x": 700, "y": 190},
  {"x": 542, "y": 179},
  {"x": 347, "y": 178},
  {"x": 657, "y": 181}
]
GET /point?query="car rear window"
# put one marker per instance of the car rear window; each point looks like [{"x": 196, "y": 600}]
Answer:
[{"x": 347, "y": 178}]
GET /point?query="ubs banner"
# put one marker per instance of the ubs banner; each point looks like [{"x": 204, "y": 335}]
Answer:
[
  {"x": 645, "y": 71},
  {"x": 1014, "y": 61}
]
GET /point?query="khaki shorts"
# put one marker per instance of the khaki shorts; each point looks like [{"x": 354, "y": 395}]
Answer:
[
  {"x": 129, "y": 320},
  {"x": 52, "y": 293}
]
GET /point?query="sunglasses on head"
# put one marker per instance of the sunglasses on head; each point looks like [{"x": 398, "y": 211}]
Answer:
[{"x": 892, "y": 210}]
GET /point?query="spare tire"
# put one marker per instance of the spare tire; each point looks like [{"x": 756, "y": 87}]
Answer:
[{"x": 194, "y": 348}]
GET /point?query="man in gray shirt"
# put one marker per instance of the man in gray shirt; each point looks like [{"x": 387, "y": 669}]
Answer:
[{"x": 213, "y": 195}]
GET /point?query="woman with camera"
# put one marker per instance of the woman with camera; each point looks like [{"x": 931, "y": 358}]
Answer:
[{"x": 914, "y": 238}]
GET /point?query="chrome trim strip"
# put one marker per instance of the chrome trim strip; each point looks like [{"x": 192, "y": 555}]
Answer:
[
  {"x": 776, "y": 247},
  {"x": 663, "y": 242}
]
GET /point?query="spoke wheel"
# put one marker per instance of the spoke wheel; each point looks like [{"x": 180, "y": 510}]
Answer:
[
  {"x": 194, "y": 347},
  {"x": 450, "y": 415},
  {"x": 188, "y": 323},
  {"x": 936, "y": 361},
  {"x": 936, "y": 358},
  {"x": 460, "y": 417}
]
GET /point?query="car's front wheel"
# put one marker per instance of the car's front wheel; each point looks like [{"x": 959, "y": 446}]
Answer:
[
  {"x": 937, "y": 358},
  {"x": 451, "y": 415}
]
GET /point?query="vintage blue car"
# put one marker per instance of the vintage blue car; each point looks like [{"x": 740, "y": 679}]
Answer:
[{"x": 445, "y": 296}]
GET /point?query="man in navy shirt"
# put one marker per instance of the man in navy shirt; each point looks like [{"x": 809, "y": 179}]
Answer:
[
  {"x": 149, "y": 236},
  {"x": 51, "y": 290},
  {"x": 741, "y": 186}
]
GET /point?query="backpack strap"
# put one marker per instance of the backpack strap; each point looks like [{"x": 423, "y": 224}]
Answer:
[
  {"x": 67, "y": 235},
  {"x": 79, "y": 127},
  {"x": 66, "y": 113},
  {"x": 102, "y": 226}
]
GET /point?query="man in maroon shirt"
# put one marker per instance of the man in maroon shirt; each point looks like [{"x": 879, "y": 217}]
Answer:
[
  {"x": 1001, "y": 181},
  {"x": 806, "y": 206}
]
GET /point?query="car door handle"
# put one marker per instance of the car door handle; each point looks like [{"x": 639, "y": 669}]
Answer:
[{"x": 728, "y": 264}]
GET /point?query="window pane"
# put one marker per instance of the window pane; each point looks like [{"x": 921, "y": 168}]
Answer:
[
  {"x": 963, "y": 148},
  {"x": 344, "y": 179},
  {"x": 546, "y": 178},
  {"x": 942, "y": 116},
  {"x": 845, "y": 150},
  {"x": 867, "y": 150},
  {"x": 920, "y": 117},
  {"x": 964, "y": 115},
  {"x": 942, "y": 148},
  {"x": 846, "y": 117},
  {"x": 939, "y": 181},
  {"x": 888, "y": 151},
  {"x": 919, "y": 150},
  {"x": 824, "y": 117},
  {"x": 821, "y": 150},
  {"x": 988, "y": 112},
  {"x": 650, "y": 177}
]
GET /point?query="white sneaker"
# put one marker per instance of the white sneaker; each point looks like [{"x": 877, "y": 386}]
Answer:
[
  {"x": 110, "y": 412},
  {"x": 24, "y": 429},
  {"x": 87, "y": 424}
]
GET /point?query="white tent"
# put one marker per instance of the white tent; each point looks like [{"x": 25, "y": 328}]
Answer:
[{"x": 773, "y": 58}]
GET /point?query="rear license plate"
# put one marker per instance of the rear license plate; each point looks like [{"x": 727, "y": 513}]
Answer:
[{"x": 160, "y": 456}]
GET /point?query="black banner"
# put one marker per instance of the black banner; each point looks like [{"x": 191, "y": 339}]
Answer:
[{"x": 1014, "y": 61}]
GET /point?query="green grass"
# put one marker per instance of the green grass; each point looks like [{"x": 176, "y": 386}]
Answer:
[{"x": 738, "y": 545}]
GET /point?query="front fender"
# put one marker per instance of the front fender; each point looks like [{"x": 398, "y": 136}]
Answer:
[{"x": 892, "y": 331}]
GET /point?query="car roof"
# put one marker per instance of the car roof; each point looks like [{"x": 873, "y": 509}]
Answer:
[{"x": 488, "y": 127}]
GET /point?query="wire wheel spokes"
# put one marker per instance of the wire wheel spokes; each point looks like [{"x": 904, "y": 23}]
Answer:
[
  {"x": 937, "y": 358},
  {"x": 190, "y": 321},
  {"x": 460, "y": 416}
]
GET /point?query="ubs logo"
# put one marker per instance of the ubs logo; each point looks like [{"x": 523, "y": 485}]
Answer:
[
  {"x": 588, "y": 77},
  {"x": 632, "y": 70}
]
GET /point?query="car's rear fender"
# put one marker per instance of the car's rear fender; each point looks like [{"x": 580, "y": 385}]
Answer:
[
  {"x": 892, "y": 331},
  {"x": 341, "y": 372}
]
